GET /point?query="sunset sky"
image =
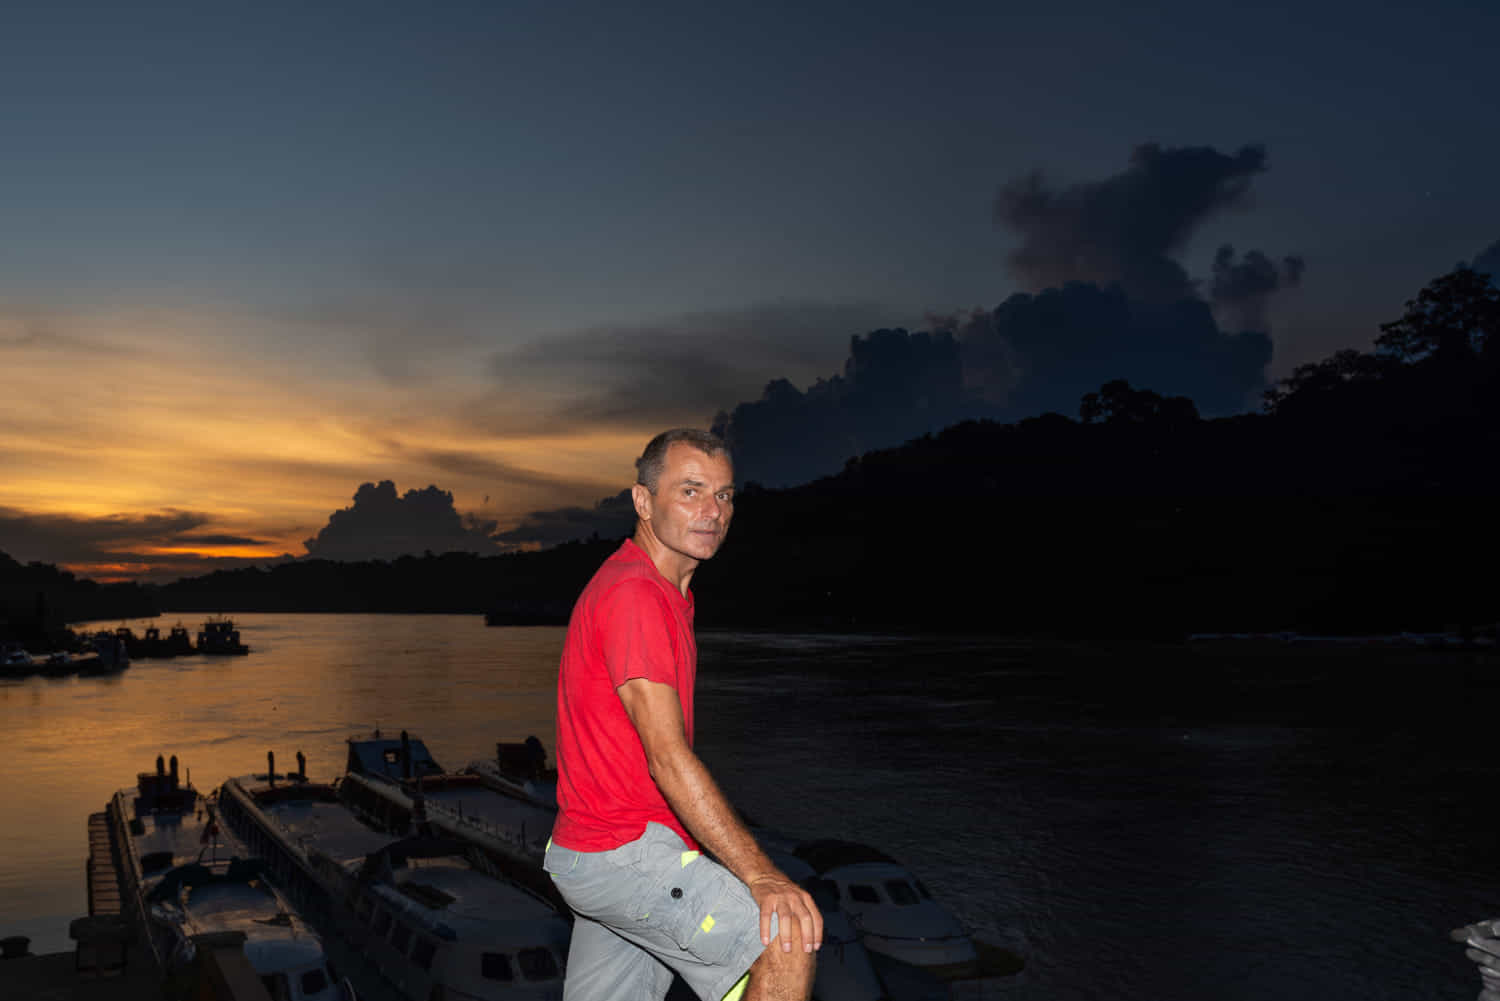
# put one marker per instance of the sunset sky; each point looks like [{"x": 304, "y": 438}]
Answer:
[{"x": 251, "y": 260}]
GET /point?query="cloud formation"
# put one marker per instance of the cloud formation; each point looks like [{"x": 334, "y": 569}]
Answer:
[
  {"x": 1062, "y": 343},
  {"x": 1128, "y": 228},
  {"x": 612, "y": 517},
  {"x": 158, "y": 546},
  {"x": 895, "y": 385},
  {"x": 1242, "y": 288},
  {"x": 383, "y": 525},
  {"x": 675, "y": 371}
]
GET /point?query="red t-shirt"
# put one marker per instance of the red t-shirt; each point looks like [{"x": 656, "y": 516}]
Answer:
[{"x": 630, "y": 622}]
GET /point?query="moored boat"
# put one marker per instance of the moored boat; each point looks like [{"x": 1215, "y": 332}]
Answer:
[
  {"x": 433, "y": 914},
  {"x": 218, "y": 636},
  {"x": 896, "y": 915},
  {"x": 520, "y": 770},
  {"x": 188, "y": 877}
]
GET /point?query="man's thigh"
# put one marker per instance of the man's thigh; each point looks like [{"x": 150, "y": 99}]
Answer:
[
  {"x": 602, "y": 966},
  {"x": 687, "y": 911}
]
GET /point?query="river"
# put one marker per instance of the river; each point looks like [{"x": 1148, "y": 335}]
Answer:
[{"x": 1137, "y": 823}]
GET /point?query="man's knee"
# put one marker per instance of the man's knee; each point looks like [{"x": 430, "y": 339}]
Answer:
[{"x": 791, "y": 973}]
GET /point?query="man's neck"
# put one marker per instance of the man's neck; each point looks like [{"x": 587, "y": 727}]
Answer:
[{"x": 675, "y": 567}]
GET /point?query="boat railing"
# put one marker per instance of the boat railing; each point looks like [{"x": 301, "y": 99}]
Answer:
[
  {"x": 134, "y": 876},
  {"x": 514, "y": 838}
]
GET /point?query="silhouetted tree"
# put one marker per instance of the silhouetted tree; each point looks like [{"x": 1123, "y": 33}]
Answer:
[
  {"x": 1343, "y": 367},
  {"x": 1455, "y": 318},
  {"x": 1117, "y": 403}
]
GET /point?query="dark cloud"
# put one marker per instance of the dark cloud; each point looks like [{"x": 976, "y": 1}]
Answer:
[
  {"x": 1128, "y": 228},
  {"x": 119, "y": 546},
  {"x": 895, "y": 385},
  {"x": 69, "y": 539},
  {"x": 612, "y": 517},
  {"x": 1065, "y": 342},
  {"x": 1112, "y": 302},
  {"x": 383, "y": 525},
  {"x": 471, "y": 464},
  {"x": 210, "y": 539},
  {"x": 673, "y": 371},
  {"x": 1488, "y": 262},
  {"x": 1241, "y": 288}
]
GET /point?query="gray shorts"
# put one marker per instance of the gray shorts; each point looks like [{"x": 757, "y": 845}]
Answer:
[{"x": 650, "y": 908}]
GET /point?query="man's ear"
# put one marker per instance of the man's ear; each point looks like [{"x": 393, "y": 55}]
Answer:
[{"x": 642, "y": 499}]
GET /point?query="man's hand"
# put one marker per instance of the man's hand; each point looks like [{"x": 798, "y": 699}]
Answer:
[{"x": 794, "y": 909}]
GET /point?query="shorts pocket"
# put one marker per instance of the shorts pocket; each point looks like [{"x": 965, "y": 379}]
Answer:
[{"x": 695, "y": 909}]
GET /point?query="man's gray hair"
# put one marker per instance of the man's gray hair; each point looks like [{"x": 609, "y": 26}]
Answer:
[{"x": 648, "y": 467}]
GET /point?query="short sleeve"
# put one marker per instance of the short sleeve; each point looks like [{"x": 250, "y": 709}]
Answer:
[{"x": 634, "y": 625}]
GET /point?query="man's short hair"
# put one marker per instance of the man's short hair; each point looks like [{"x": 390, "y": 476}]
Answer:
[{"x": 648, "y": 467}]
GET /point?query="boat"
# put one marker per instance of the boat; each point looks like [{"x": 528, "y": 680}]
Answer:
[
  {"x": 391, "y": 783},
  {"x": 15, "y": 662},
  {"x": 113, "y": 650},
  {"x": 391, "y": 780},
  {"x": 520, "y": 770},
  {"x": 153, "y": 645},
  {"x": 179, "y": 641},
  {"x": 433, "y": 914},
  {"x": 186, "y": 876},
  {"x": 218, "y": 636},
  {"x": 897, "y": 917}
]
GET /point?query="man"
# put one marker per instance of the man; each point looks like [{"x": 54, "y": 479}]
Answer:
[{"x": 634, "y": 801}]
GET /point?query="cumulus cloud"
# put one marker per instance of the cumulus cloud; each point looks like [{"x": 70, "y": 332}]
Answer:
[
  {"x": 1111, "y": 299},
  {"x": 1242, "y": 288},
  {"x": 1065, "y": 342},
  {"x": 895, "y": 385},
  {"x": 383, "y": 525},
  {"x": 612, "y": 517},
  {"x": 675, "y": 370},
  {"x": 1127, "y": 228}
]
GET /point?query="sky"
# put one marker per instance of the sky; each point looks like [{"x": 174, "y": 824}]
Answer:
[{"x": 274, "y": 275}]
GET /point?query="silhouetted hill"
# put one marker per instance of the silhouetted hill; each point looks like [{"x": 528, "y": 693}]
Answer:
[
  {"x": 38, "y": 600},
  {"x": 1361, "y": 500},
  {"x": 453, "y": 582}
]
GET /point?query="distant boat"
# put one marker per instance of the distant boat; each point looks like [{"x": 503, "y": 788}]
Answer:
[
  {"x": 218, "y": 636},
  {"x": 113, "y": 650},
  {"x": 179, "y": 641},
  {"x": 15, "y": 662}
]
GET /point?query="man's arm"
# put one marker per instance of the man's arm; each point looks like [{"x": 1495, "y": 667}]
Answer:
[{"x": 693, "y": 795}]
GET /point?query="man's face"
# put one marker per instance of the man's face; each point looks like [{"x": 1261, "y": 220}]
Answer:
[{"x": 694, "y": 500}]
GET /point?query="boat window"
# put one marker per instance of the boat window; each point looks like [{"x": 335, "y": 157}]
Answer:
[
  {"x": 277, "y": 986},
  {"x": 537, "y": 964},
  {"x": 400, "y": 937},
  {"x": 901, "y": 892},
  {"x": 422, "y": 953},
  {"x": 922, "y": 889},
  {"x": 333, "y": 973},
  {"x": 313, "y": 981},
  {"x": 495, "y": 966},
  {"x": 382, "y": 922},
  {"x": 864, "y": 894}
]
